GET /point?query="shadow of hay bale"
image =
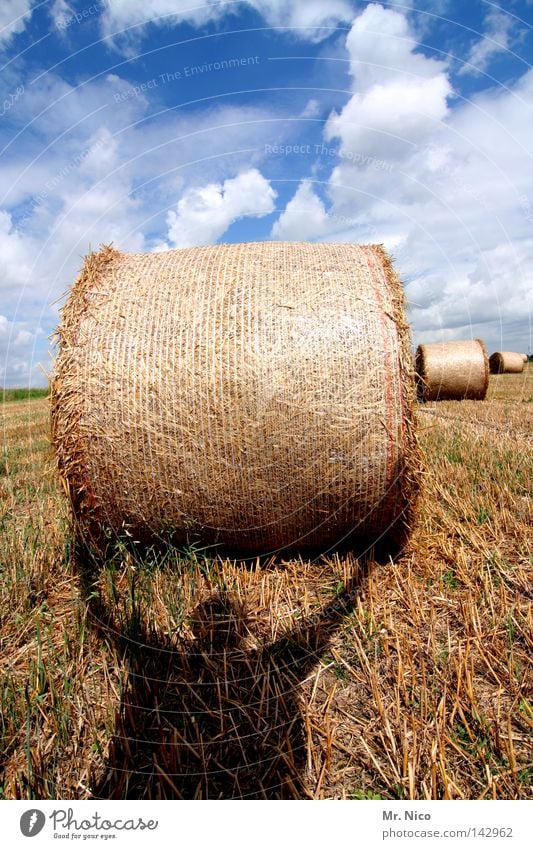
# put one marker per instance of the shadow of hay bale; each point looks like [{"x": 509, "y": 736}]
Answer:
[{"x": 221, "y": 715}]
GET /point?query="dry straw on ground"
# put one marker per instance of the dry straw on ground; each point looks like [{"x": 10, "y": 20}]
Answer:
[
  {"x": 452, "y": 371},
  {"x": 506, "y": 362},
  {"x": 258, "y": 395},
  {"x": 164, "y": 676}
]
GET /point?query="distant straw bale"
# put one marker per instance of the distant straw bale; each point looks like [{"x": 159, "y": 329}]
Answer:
[
  {"x": 525, "y": 358},
  {"x": 258, "y": 395},
  {"x": 452, "y": 371},
  {"x": 506, "y": 362}
]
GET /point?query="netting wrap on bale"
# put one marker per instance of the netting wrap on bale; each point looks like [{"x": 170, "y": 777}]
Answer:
[
  {"x": 452, "y": 371},
  {"x": 258, "y": 395},
  {"x": 506, "y": 362}
]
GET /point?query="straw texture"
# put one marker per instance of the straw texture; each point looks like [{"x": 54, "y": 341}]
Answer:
[
  {"x": 257, "y": 395},
  {"x": 452, "y": 371},
  {"x": 506, "y": 362}
]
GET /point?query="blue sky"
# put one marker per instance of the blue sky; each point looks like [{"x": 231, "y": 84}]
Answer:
[{"x": 174, "y": 123}]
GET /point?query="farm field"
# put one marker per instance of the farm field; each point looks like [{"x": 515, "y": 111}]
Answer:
[{"x": 174, "y": 674}]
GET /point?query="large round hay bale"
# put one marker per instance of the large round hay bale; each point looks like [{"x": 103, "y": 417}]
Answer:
[
  {"x": 256, "y": 395},
  {"x": 452, "y": 371},
  {"x": 506, "y": 362}
]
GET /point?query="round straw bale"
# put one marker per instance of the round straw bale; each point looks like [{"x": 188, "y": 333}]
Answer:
[
  {"x": 506, "y": 362},
  {"x": 525, "y": 358},
  {"x": 260, "y": 396},
  {"x": 452, "y": 371}
]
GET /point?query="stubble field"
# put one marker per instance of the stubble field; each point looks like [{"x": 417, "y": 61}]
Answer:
[{"x": 173, "y": 674}]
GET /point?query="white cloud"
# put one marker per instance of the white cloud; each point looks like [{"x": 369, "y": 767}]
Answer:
[
  {"x": 15, "y": 261},
  {"x": 18, "y": 366},
  {"x": 447, "y": 187},
  {"x": 311, "y": 109},
  {"x": 92, "y": 170},
  {"x": 200, "y": 144},
  {"x": 382, "y": 49},
  {"x": 101, "y": 181},
  {"x": 400, "y": 95},
  {"x": 301, "y": 16},
  {"x": 303, "y": 218},
  {"x": 495, "y": 40},
  {"x": 14, "y": 15},
  {"x": 387, "y": 119},
  {"x": 203, "y": 214},
  {"x": 304, "y": 15},
  {"x": 60, "y": 12},
  {"x": 120, "y": 14}
]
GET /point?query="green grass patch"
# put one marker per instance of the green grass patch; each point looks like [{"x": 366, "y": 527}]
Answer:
[{"x": 22, "y": 394}]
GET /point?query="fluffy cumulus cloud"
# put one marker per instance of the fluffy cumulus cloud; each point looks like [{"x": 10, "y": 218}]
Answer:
[
  {"x": 303, "y": 218},
  {"x": 446, "y": 185},
  {"x": 400, "y": 95},
  {"x": 306, "y": 218},
  {"x": 14, "y": 15},
  {"x": 307, "y": 18},
  {"x": 203, "y": 214},
  {"x": 382, "y": 48}
]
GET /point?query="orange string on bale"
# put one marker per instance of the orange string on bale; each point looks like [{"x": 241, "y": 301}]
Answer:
[
  {"x": 506, "y": 362},
  {"x": 452, "y": 371},
  {"x": 260, "y": 396}
]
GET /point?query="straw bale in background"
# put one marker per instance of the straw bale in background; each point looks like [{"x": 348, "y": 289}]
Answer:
[
  {"x": 506, "y": 362},
  {"x": 452, "y": 371}
]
